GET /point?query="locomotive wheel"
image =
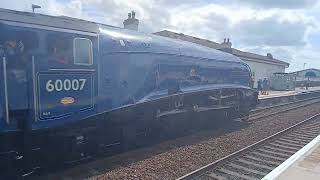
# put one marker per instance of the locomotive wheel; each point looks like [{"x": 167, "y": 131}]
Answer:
[{"x": 245, "y": 116}]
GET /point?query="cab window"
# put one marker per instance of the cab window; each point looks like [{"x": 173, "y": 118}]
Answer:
[
  {"x": 82, "y": 51},
  {"x": 17, "y": 44},
  {"x": 59, "y": 47}
]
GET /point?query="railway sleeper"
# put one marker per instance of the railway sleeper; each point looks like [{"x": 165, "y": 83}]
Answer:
[
  {"x": 257, "y": 164},
  {"x": 234, "y": 174},
  {"x": 292, "y": 141},
  {"x": 260, "y": 160},
  {"x": 273, "y": 154},
  {"x": 281, "y": 148},
  {"x": 269, "y": 157},
  {"x": 278, "y": 150},
  {"x": 285, "y": 144},
  {"x": 246, "y": 170}
]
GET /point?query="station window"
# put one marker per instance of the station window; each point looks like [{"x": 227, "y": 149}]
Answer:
[{"x": 83, "y": 51}]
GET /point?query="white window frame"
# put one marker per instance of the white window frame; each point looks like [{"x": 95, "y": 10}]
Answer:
[{"x": 74, "y": 52}]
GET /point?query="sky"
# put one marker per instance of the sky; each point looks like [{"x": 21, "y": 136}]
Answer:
[{"x": 289, "y": 29}]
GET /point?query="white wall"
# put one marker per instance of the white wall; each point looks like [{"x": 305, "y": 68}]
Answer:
[{"x": 262, "y": 70}]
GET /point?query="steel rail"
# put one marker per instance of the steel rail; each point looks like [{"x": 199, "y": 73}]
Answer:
[
  {"x": 256, "y": 115},
  {"x": 285, "y": 104}
]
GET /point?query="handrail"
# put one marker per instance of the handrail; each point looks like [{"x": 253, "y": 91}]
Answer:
[
  {"x": 34, "y": 90},
  {"x": 6, "y": 89}
]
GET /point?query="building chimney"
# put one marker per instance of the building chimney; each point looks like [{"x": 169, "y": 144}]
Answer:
[
  {"x": 133, "y": 14},
  {"x": 269, "y": 55},
  {"x": 226, "y": 43},
  {"x": 131, "y": 23}
]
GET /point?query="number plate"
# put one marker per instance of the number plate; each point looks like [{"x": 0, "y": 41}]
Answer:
[{"x": 63, "y": 94}]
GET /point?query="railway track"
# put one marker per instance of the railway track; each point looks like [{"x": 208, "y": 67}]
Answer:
[
  {"x": 260, "y": 113},
  {"x": 257, "y": 160}
]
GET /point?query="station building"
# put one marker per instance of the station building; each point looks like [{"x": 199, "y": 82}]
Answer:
[{"x": 261, "y": 66}]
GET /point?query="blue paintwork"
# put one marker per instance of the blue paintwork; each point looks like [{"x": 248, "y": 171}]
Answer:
[
  {"x": 128, "y": 68},
  {"x": 130, "y": 71}
]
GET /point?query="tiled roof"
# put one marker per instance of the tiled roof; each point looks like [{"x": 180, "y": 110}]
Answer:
[
  {"x": 248, "y": 56},
  {"x": 204, "y": 42}
]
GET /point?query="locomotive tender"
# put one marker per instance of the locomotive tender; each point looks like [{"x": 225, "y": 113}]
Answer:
[{"x": 72, "y": 88}]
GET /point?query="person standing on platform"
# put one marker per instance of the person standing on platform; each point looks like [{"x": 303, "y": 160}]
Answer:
[
  {"x": 264, "y": 86},
  {"x": 268, "y": 87},
  {"x": 251, "y": 82},
  {"x": 260, "y": 86},
  {"x": 308, "y": 84}
]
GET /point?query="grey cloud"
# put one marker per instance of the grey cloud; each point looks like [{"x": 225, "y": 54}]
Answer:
[
  {"x": 271, "y": 32},
  {"x": 215, "y": 28},
  {"x": 282, "y": 4},
  {"x": 153, "y": 15}
]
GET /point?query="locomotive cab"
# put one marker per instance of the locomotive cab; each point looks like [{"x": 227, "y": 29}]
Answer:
[
  {"x": 13, "y": 98},
  {"x": 47, "y": 77},
  {"x": 44, "y": 64}
]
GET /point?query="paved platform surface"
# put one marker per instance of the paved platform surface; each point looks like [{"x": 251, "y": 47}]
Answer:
[
  {"x": 305, "y": 164},
  {"x": 288, "y": 93}
]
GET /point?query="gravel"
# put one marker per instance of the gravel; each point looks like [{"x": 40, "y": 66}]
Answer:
[{"x": 182, "y": 158}]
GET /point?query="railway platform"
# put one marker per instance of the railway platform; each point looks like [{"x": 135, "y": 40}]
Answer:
[
  {"x": 304, "y": 164},
  {"x": 298, "y": 90}
]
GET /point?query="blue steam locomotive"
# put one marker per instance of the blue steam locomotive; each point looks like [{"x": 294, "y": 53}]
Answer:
[{"x": 72, "y": 88}]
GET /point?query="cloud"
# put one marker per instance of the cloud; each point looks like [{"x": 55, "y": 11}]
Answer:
[
  {"x": 271, "y": 32},
  {"x": 281, "y": 4},
  {"x": 289, "y": 29}
]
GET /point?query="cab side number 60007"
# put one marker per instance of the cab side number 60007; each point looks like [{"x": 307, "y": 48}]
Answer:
[{"x": 65, "y": 85}]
